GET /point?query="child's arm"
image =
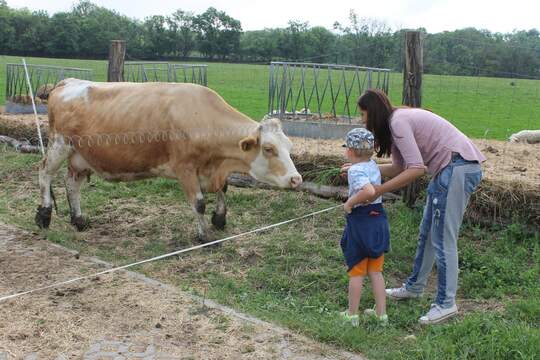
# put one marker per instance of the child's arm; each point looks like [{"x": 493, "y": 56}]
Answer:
[{"x": 367, "y": 192}]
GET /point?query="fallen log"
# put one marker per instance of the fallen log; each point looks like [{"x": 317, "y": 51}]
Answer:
[
  {"x": 21, "y": 146},
  {"x": 325, "y": 191}
]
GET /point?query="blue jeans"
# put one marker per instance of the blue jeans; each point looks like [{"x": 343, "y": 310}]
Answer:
[{"x": 447, "y": 197}]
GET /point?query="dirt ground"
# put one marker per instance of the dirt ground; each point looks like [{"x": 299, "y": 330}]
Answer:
[{"x": 116, "y": 311}]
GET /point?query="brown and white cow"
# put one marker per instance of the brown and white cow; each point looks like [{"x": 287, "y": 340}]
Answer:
[{"x": 130, "y": 131}]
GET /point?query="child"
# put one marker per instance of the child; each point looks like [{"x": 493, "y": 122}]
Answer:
[{"x": 366, "y": 236}]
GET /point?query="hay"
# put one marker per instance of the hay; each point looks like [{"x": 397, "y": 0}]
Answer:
[
  {"x": 496, "y": 202},
  {"x": 23, "y": 127},
  {"x": 510, "y": 188}
]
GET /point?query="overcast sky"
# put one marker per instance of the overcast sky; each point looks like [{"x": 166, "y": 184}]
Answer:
[{"x": 434, "y": 15}]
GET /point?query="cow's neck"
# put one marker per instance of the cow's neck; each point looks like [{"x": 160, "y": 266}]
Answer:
[{"x": 233, "y": 158}]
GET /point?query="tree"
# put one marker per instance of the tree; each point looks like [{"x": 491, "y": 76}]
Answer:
[
  {"x": 181, "y": 26},
  {"x": 7, "y": 35},
  {"x": 259, "y": 45},
  {"x": 321, "y": 44},
  {"x": 218, "y": 34},
  {"x": 65, "y": 39},
  {"x": 86, "y": 30},
  {"x": 291, "y": 42},
  {"x": 157, "y": 39}
]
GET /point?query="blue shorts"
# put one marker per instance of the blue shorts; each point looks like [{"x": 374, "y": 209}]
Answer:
[{"x": 366, "y": 235}]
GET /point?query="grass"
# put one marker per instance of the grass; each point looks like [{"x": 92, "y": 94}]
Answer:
[
  {"x": 294, "y": 275},
  {"x": 481, "y": 107}
]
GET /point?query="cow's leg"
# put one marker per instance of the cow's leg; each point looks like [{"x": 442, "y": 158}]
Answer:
[
  {"x": 199, "y": 206},
  {"x": 192, "y": 188},
  {"x": 57, "y": 152},
  {"x": 74, "y": 180},
  {"x": 219, "y": 216}
]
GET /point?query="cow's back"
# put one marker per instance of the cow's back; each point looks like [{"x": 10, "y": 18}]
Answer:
[
  {"x": 131, "y": 127},
  {"x": 80, "y": 106}
]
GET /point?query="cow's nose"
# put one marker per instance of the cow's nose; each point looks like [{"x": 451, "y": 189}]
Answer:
[{"x": 296, "y": 180}]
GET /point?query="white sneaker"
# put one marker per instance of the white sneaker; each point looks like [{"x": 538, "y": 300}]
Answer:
[
  {"x": 401, "y": 293},
  {"x": 437, "y": 314}
]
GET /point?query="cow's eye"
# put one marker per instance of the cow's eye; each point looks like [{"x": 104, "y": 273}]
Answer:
[{"x": 269, "y": 151}]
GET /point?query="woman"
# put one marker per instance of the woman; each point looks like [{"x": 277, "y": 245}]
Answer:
[{"x": 420, "y": 141}]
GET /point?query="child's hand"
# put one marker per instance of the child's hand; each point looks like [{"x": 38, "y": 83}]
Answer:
[{"x": 347, "y": 207}]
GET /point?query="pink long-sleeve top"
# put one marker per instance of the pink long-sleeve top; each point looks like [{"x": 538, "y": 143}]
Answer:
[{"x": 423, "y": 139}]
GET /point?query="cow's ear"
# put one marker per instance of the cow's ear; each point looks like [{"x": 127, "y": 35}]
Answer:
[{"x": 248, "y": 143}]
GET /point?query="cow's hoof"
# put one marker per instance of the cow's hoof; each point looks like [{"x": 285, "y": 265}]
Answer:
[
  {"x": 219, "y": 220},
  {"x": 43, "y": 217},
  {"x": 204, "y": 239},
  {"x": 79, "y": 222}
]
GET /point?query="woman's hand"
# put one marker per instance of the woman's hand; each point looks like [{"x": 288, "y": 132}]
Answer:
[
  {"x": 344, "y": 169},
  {"x": 373, "y": 197}
]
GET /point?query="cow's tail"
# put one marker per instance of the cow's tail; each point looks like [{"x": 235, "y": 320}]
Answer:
[
  {"x": 54, "y": 199},
  {"x": 56, "y": 88},
  {"x": 50, "y": 114}
]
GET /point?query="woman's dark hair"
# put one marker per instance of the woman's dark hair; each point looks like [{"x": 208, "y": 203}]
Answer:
[{"x": 379, "y": 110}]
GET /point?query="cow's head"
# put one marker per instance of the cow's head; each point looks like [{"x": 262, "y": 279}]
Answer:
[{"x": 270, "y": 155}]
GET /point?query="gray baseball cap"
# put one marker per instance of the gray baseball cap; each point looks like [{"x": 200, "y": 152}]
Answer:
[{"x": 359, "y": 138}]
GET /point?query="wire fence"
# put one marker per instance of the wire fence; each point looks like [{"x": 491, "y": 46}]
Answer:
[
  {"x": 330, "y": 90},
  {"x": 146, "y": 71},
  {"x": 43, "y": 78}
]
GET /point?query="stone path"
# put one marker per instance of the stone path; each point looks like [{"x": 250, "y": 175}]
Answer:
[{"x": 123, "y": 315}]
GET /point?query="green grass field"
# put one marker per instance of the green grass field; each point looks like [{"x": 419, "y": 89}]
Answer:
[
  {"x": 481, "y": 107},
  {"x": 294, "y": 275}
]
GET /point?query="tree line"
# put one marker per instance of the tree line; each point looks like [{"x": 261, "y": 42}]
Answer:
[{"x": 86, "y": 30}]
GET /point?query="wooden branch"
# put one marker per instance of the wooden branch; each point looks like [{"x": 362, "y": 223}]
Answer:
[
  {"x": 22, "y": 146},
  {"x": 325, "y": 191}
]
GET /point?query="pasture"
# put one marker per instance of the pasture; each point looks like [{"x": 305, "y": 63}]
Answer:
[
  {"x": 293, "y": 275},
  {"x": 481, "y": 107}
]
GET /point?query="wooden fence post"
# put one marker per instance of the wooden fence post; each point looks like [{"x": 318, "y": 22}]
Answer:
[
  {"x": 412, "y": 92},
  {"x": 117, "y": 52}
]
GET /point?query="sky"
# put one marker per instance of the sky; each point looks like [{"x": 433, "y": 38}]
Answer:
[{"x": 434, "y": 15}]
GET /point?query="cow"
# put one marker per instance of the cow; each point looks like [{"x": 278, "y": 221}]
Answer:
[{"x": 131, "y": 131}]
